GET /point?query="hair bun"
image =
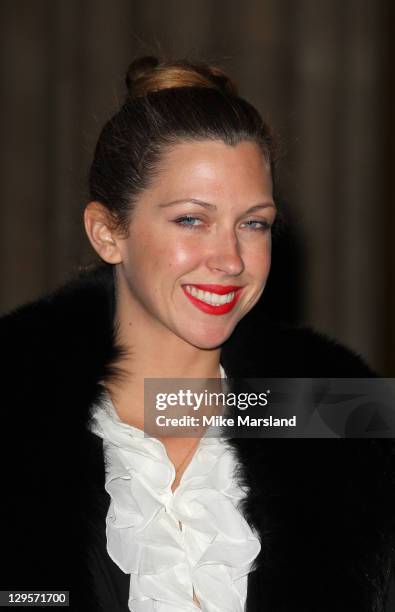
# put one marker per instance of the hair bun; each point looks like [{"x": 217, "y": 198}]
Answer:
[
  {"x": 138, "y": 69},
  {"x": 222, "y": 81},
  {"x": 147, "y": 74}
]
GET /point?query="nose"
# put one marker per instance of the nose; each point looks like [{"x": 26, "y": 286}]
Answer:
[{"x": 225, "y": 255}]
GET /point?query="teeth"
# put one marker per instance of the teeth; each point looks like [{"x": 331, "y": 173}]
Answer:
[{"x": 210, "y": 298}]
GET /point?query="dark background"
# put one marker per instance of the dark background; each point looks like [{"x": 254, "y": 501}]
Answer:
[{"x": 320, "y": 71}]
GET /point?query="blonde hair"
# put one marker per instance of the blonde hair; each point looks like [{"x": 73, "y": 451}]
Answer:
[{"x": 146, "y": 75}]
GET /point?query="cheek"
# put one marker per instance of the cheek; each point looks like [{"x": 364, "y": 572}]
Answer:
[
  {"x": 258, "y": 261},
  {"x": 182, "y": 254},
  {"x": 159, "y": 257}
]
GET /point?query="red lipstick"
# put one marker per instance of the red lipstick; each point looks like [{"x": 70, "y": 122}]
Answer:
[{"x": 219, "y": 290}]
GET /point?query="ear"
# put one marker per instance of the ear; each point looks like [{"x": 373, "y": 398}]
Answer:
[{"x": 101, "y": 233}]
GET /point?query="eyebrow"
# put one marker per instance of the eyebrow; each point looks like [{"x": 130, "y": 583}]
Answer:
[{"x": 210, "y": 206}]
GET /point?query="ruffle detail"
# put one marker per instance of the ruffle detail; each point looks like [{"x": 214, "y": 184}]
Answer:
[{"x": 213, "y": 552}]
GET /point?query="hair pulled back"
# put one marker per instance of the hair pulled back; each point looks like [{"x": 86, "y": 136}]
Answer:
[{"x": 166, "y": 103}]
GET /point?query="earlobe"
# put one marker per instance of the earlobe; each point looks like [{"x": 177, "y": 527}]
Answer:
[{"x": 101, "y": 235}]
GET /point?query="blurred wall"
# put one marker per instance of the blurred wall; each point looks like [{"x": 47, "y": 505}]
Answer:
[{"x": 320, "y": 72}]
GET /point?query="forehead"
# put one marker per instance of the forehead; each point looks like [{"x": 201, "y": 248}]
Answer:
[{"x": 214, "y": 165}]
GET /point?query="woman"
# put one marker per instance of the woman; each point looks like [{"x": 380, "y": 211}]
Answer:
[{"x": 180, "y": 214}]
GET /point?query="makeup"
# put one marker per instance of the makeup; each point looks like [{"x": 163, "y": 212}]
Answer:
[{"x": 213, "y": 299}]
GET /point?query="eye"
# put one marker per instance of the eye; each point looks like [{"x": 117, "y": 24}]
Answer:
[
  {"x": 258, "y": 224},
  {"x": 188, "y": 221}
]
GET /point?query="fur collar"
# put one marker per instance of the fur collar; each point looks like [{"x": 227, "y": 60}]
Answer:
[{"x": 323, "y": 508}]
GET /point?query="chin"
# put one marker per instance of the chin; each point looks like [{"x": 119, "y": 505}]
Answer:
[
  {"x": 207, "y": 346},
  {"x": 209, "y": 340}
]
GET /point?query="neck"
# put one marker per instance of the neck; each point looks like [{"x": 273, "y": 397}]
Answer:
[{"x": 153, "y": 351}]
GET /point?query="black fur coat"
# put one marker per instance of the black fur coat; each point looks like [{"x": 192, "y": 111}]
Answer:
[{"x": 324, "y": 509}]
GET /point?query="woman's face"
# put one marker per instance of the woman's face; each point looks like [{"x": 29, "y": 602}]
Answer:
[{"x": 198, "y": 252}]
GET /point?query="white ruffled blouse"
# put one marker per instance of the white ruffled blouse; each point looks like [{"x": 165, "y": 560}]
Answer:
[{"x": 213, "y": 551}]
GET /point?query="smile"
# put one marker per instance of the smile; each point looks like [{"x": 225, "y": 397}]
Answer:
[{"x": 220, "y": 300}]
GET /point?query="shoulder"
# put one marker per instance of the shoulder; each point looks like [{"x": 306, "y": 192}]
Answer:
[
  {"x": 55, "y": 352},
  {"x": 61, "y": 345},
  {"x": 260, "y": 347},
  {"x": 75, "y": 309},
  {"x": 74, "y": 300}
]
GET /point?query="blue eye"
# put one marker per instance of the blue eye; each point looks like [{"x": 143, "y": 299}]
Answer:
[
  {"x": 195, "y": 223},
  {"x": 188, "y": 221},
  {"x": 257, "y": 224}
]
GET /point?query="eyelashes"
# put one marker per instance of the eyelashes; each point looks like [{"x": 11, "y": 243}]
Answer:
[
  {"x": 191, "y": 222},
  {"x": 187, "y": 221},
  {"x": 262, "y": 225}
]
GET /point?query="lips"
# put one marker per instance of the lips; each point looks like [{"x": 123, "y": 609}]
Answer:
[
  {"x": 219, "y": 289},
  {"x": 211, "y": 298}
]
